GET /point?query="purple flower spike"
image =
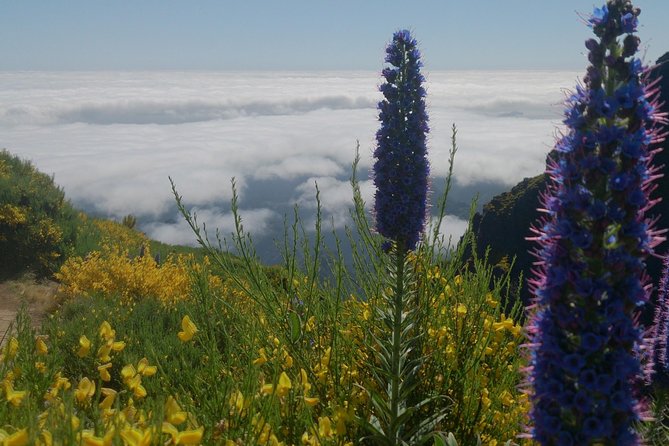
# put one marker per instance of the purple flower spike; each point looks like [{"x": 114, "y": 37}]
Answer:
[
  {"x": 401, "y": 168},
  {"x": 587, "y": 352}
]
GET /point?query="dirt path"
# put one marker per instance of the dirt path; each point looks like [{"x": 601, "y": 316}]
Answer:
[{"x": 39, "y": 296}]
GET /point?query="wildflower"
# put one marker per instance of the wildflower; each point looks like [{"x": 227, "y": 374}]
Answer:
[
  {"x": 14, "y": 397},
  {"x": 84, "y": 346},
  {"x": 104, "y": 372},
  {"x": 401, "y": 168},
  {"x": 88, "y": 438},
  {"x": 109, "y": 397},
  {"x": 12, "y": 348},
  {"x": 236, "y": 402},
  {"x": 18, "y": 438},
  {"x": 190, "y": 437},
  {"x": 262, "y": 357},
  {"x": 144, "y": 369},
  {"x": 133, "y": 436},
  {"x": 104, "y": 351},
  {"x": 311, "y": 401},
  {"x": 325, "y": 427},
  {"x": 188, "y": 329},
  {"x": 284, "y": 385},
  {"x": 106, "y": 332},
  {"x": 173, "y": 412},
  {"x": 45, "y": 438},
  {"x": 41, "y": 346},
  {"x": 592, "y": 245},
  {"x": 85, "y": 390},
  {"x": 133, "y": 381}
]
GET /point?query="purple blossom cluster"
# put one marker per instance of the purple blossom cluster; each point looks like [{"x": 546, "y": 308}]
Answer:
[
  {"x": 586, "y": 347},
  {"x": 401, "y": 168}
]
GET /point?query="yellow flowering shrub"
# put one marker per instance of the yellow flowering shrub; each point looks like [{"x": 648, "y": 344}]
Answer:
[
  {"x": 116, "y": 234},
  {"x": 113, "y": 272},
  {"x": 85, "y": 410},
  {"x": 474, "y": 360},
  {"x": 170, "y": 353}
]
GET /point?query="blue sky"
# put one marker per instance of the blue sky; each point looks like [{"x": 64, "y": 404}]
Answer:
[{"x": 301, "y": 34}]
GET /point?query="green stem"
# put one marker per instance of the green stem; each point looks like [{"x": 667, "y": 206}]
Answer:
[{"x": 398, "y": 309}]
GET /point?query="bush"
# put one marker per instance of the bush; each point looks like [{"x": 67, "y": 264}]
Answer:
[{"x": 37, "y": 224}]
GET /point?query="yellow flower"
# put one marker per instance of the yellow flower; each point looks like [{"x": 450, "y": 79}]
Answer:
[
  {"x": 106, "y": 331},
  {"x": 461, "y": 308},
  {"x": 145, "y": 369},
  {"x": 75, "y": 422},
  {"x": 104, "y": 372},
  {"x": 14, "y": 397},
  {"x": 118, "y": 346},
  {"x": 45, "y": 439},
  {"x": 236, "y": 401},
  {"x": 85, "y": 390},
  {"x": 88, "y": 438},
  {"x": 84, "y": 346},
  {"x": 128, "y": 372},
  {"x": 188, "y": 329},
  {"x": 506, "y": 398},
  {"x": 325, "y": 427},
  {"x": 12, "y": 347},
  {"x": 136, "y": 437},
  {"x": 190, "y": 437},
  {"x": 262, "y": 358},
  {"x": 133, "y": 380},
  {"x": 172, "y": 431},
  {"x": 104, "y": 351},
  {"x": 311, "y": 401},
  {"x": 325, "y": 360},
  {"x": 18, "y": 438},
  {"x": 40, "y": 346},
  {"x": 173, "y": 412},
  {"x": 59, "y": 383},
  {"x": 287, "y": 360},
  {"x": 284, "y": 385},
  {"x": 267, "y": 389},
  {"x": 304, "y": 379},
  {"x": 109, "y": 397},
  {"x": 139, "y": 391}
]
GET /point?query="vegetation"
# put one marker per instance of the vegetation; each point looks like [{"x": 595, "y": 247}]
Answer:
[
  {"x": 37, "y": 224},
  {"x": 131, "y": 354},
  {"x": 412, "y": 344}
]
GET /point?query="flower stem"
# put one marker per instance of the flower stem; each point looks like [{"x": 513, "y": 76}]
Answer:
[{"x": 398, "y": 313}]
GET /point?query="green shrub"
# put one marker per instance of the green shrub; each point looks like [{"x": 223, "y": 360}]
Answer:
[{"x": 37, "y": 224}]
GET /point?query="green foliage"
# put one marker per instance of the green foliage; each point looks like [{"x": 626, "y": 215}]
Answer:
[
  {"x": 129, "y": 221},
  {"x": 37, "y": 224}
]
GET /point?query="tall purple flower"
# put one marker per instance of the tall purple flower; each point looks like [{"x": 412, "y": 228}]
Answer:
[
  {"x": 589, "y": 279},
  {"x": 401, "y": 168}
]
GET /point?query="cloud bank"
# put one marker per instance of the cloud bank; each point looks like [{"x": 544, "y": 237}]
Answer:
[{"x": 113, "y": 139}]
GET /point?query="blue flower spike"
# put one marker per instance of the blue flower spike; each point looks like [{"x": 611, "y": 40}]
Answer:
[
  {"x": 587, "y": 352},
  {"x": 401, "y": 168}
]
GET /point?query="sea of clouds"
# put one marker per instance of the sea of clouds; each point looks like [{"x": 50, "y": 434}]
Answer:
[{"x": 111, "y": 139}]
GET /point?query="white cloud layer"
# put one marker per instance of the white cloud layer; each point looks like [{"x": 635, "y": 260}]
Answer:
[
  {"x": 255, "y": 221},
  {"x": 450, "y": 229},
  {"x": 112, "y": 139}
]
